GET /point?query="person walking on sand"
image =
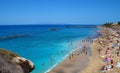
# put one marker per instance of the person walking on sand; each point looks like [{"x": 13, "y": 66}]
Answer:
[
  {"x": 99, "y": 51},
  {"x": 112, "y": 63},
  {"x": 86, "y": 52},
  {"x": 69, "y": 57},
  {"x": 83, "y": 49},
  {"x": 117, "y": 52}
]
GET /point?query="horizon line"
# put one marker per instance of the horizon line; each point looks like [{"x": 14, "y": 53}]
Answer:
[{"x": 50, "y": 24}]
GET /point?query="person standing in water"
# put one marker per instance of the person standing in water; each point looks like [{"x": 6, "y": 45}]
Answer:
[
  {"x": 43, "y": 64},
  {"x": 51, "y": 60}
]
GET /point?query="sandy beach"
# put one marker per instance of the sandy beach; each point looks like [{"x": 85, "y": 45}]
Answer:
[
  {"x": 110, "y": 37},
  {"x": 95, "y": 63},
  {"x": 76, "y": 61},
  {"x": 71, "y": 66}
]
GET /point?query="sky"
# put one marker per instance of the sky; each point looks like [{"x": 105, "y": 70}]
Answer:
[{"x": 59, "y": 11}]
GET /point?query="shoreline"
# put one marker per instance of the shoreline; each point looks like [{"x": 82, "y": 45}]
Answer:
[
  {"x": 96, "y": 62},
  {"x": 83, "y": 58},
  {"x": 56, "y": 64},
  {"x": 64, "y": 58}
]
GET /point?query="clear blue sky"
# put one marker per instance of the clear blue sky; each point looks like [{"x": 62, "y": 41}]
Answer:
[{"x": 59, "y": 11}]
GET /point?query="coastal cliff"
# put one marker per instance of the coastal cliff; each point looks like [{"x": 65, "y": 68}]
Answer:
[{"x": 12, "y": 63}]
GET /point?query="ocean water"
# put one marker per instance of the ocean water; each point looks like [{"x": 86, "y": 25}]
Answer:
[{"x": 45, "y": 48}]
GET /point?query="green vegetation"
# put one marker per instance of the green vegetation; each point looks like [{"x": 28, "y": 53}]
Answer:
[
  {"x": 108, "y": 24},
  {"x": 7, "y": 54},
  {"x": 119, "y": 23}
]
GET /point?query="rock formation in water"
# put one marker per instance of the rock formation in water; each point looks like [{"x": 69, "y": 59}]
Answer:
[
  {"x": 13, "y": 36},
  {"x": 12, "y": 63},
  {"x": 54, "y": 29}
]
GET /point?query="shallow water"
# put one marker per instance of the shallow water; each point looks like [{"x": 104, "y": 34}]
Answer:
[{"x": 43, "y": 47}]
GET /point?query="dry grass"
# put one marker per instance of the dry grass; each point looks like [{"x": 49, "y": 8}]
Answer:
[{"x": 7, "y": 54}]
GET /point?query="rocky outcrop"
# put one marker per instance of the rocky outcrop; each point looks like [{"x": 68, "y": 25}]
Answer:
[
  {"x": 12, "y": 63},
  {"x": 26, "y": 65}
]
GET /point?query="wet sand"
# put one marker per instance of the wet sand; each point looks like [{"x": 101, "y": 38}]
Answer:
[
  {"x": 75, "y": 65},
  {"x": 75, "y": 62}
]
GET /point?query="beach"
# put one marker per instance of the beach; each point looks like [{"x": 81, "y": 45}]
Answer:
[
  {"x": 103, "y": 59},
  {"x": 72, "y": 66},
  {"x": 76, "y": 61},
  {"x": 109, "y": 43}
]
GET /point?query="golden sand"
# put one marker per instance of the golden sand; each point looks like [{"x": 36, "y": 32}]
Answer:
[{"x": 96, "y": 63}]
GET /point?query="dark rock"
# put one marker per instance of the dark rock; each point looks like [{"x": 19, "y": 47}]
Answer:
[
  {"x": 26, "y": 65},
  {"x": 13, "y": 36},
  {"x": 53, "y": 29}
]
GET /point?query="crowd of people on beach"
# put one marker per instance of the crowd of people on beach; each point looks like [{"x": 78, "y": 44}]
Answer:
[
  {"x": 85, "y": 48},
  {"x": 82, "y": 48},
  {"x": 110, "y": 50}
]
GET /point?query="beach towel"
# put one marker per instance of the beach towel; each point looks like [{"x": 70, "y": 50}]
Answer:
[
  {"x": 118, "y": 65},
  {"x": 105, "y": 60}
]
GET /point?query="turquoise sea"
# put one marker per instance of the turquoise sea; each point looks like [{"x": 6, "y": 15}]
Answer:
[{"x": 44, "y": 45}]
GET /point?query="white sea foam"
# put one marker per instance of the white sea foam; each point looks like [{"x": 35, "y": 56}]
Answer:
[
  {"x": 63, "y": 58},
  {"x": 57, "y": 63}
]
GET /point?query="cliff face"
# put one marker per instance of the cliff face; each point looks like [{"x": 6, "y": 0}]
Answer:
[{"x": 12, "y": 63}]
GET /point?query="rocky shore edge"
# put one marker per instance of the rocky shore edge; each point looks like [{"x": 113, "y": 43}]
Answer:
[{"x": 12, "y": 63}]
